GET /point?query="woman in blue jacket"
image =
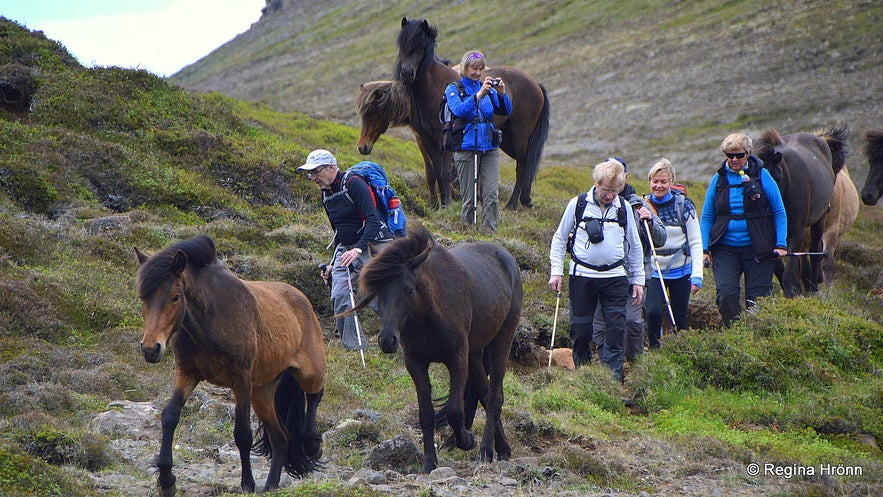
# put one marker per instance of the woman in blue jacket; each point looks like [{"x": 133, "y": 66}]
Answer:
[
  {"x": 743, "y": 226},
  {"x": 476, "y": 150}
]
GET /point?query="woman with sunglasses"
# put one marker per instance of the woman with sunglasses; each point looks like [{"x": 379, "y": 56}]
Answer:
[
  {"x": 744, "y": 227},
  {"x": 476, "y": 151}
]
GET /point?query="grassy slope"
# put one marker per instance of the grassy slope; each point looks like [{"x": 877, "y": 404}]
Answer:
[
  {"x": 633, "y": 78},
  {"x": 109, "y": 159}
]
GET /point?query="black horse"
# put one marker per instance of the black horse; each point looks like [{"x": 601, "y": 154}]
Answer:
[
  {"x": 803, "y": 165},
  {"x": 426, "y": 76},
  {"x": 459, "y": 307},
  {"x": 873, "y": 149}
]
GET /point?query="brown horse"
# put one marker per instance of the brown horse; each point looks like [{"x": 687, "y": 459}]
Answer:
[
  {"x": 803, "y": 165},
  {"x": 844, "y": 211},
  {"x": 426, "y": 76},
  {"x": 260, "y": 339},
  {"x": 382, "y": 104},
  {"x": 873, "y": 150},
  {"x": 459, "y": 307}
]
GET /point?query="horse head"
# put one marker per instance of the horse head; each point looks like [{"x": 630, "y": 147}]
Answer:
[
  {"x": 163, "y": 303},
  {"x": 380, "y": 104},
  {"x": 391, "y": 277},
  {"x": 416, "y": 49},
  {"x": 162, "y": 285},
  {"x": 873, "y": 151},
  {"x": 767, "y": 150}
]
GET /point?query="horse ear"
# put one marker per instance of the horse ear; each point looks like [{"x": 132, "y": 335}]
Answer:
[
  {"x": 419, "y": 258},
  {"x": 404, "y": 21},
  {"x": 179, "y": 262},
  {"x": 142, "y": 257}
]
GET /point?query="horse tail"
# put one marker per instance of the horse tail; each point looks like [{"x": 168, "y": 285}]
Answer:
[
  {"x": 836, "y": 138},
  {"x": 291, "y": 411},
  {"x": 536, "y": 142},
  {"x": 441, "y": 413},
  {"x": 470, "y": 406}
]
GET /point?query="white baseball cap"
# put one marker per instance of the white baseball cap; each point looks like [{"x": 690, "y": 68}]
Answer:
[{"x": 318, "y": 158}]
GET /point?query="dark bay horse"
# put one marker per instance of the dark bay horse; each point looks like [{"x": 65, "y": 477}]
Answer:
[
  {"x": 260, "y": 339},
  {"x": 459, "y": 307},
  {"x": 803, "y": 165},
  {"x": 426, "y": 76},
  {"x": 873, "y": 150}
]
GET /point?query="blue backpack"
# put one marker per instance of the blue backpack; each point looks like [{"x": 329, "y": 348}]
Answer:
[{"x": 387, "y": 202}]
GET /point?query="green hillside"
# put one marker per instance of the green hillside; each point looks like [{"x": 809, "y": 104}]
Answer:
[
  {"x": 636, "y": 79},
  {"x": 94, "y": 162}
]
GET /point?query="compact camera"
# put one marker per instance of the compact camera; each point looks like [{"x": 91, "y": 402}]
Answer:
[
  {"x": 594, "y": 229},
  {"x": 495, "y": 82}
]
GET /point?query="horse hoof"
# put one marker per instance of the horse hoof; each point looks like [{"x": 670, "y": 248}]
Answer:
[
  {"x": 469, "y": 442},
  {"x": 485, "y": 456}
]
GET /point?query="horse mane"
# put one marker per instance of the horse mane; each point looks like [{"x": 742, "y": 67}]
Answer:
[
  {"x": 416, "y": 34},
  {"x": 835, "y": 137},
  {"x": 200, "y": 252},
  {"x": 389, "y": 100},
  {"x": 765, "y": 146},
  {"x": 873, "y": 146},
  {"x": 393, "y": 258}
]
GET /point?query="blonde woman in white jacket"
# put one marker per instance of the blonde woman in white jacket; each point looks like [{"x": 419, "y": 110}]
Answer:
[{"x": 680, "y": 259}]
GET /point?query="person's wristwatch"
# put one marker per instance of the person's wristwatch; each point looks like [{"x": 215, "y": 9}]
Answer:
[{"x": 357, "y": 249}]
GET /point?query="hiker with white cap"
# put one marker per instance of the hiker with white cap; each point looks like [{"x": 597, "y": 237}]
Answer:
[{"x": 356, "y": 223}]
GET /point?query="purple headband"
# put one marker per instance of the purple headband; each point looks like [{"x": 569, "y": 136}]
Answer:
[{"x": 476, "y": 55}]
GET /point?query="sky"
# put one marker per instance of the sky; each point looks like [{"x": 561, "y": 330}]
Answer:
[{"x": 160, "y": 36}]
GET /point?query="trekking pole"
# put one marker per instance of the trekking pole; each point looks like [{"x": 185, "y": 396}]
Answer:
[
  {"x": 554, "y": 325},
  {"x": 671, "y": 313},
  {"x": 349, "y": 281},
  {"x": 475, "y": 189},
  {"x": 795, "y": 254}
]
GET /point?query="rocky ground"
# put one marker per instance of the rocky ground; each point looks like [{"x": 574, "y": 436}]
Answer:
[{"x": 207, "y": 470}]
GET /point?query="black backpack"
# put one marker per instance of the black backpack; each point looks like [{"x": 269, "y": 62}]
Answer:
[
  {"x": 579, "y": 217},
  {"x": 452, "y": 127}
]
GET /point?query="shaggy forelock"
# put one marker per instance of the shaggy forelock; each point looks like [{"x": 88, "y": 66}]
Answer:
[
  {"x": 392, "y": 260},
  {"x": 200, "y": 252}
]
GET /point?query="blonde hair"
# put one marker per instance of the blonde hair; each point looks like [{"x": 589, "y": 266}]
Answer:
[
  {"x": 611, "y": 170},
  {"x": 471, "y": 58},
  {"x": 663, "y": 165},
  {"x": 736, "y": 141}
]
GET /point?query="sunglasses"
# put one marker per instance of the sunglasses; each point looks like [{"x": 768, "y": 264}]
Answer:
[
  {"x": 734, "y": 155},
  {"x": 476, "y": 55},
  {"x": 314, "y": 172}
]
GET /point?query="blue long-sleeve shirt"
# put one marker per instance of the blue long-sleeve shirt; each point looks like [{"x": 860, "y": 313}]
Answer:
[{"x": 736, "y": 234}]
